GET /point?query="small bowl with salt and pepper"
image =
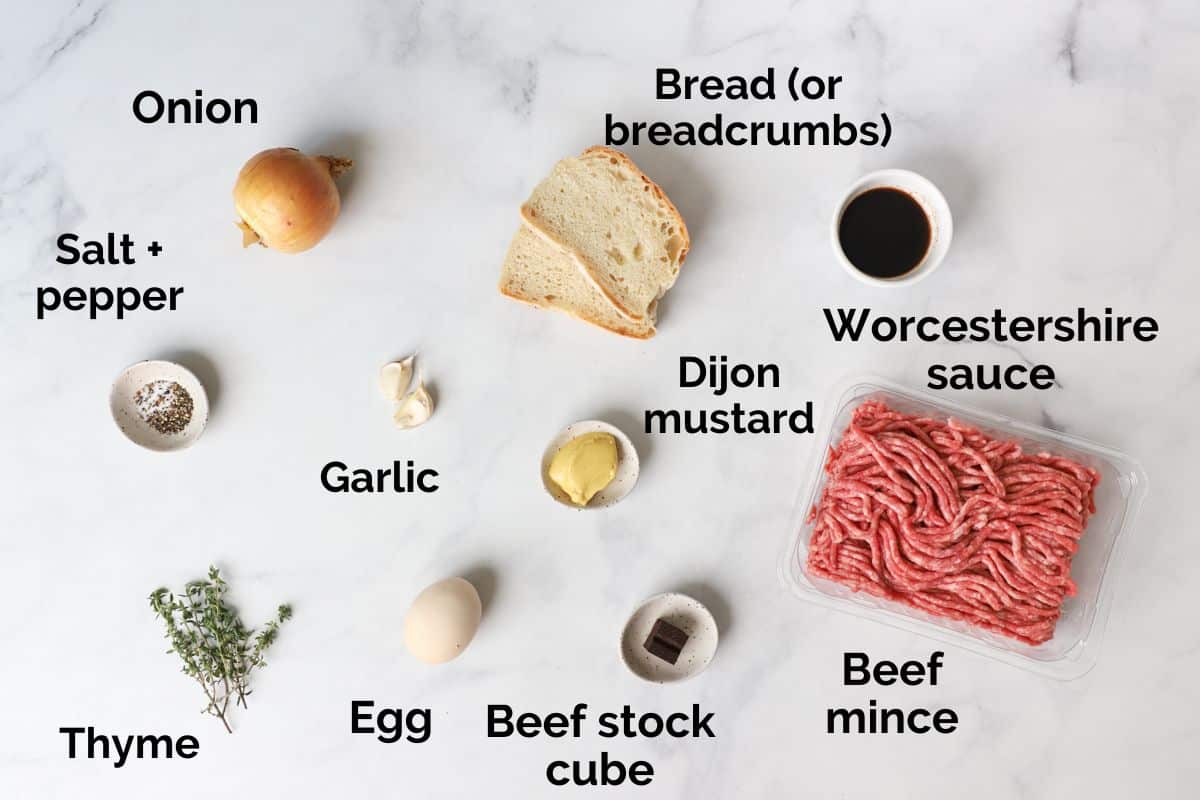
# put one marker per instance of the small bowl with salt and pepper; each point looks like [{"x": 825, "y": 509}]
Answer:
[{"x": 159, "y": 405}]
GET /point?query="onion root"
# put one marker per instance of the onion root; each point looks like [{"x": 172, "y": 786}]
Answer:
[{"x": 337, "y": 166}]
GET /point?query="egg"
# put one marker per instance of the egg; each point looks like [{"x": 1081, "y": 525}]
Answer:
[{"x": 442, "y": 620}]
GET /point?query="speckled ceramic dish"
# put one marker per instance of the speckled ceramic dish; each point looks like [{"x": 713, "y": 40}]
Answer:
[
  {"x": 684, "y": 612},
  {"x": 123, "y": 404},
  {"x": 627, "y": 465}
]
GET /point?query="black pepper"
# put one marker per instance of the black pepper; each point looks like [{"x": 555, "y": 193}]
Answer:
[{"x": 165, "y": 405}]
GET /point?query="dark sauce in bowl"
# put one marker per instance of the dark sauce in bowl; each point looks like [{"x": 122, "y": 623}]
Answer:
[{"x": 885, "y": 232}]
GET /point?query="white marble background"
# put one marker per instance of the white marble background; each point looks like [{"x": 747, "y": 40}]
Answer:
[{"x": 1066, "y": 135}]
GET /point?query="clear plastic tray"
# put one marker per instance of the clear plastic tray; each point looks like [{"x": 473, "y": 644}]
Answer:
[{"x": 1075, "y": 646}]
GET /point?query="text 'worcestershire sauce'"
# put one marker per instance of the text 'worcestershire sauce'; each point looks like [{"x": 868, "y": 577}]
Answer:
[{"x": 884, "y": 232}]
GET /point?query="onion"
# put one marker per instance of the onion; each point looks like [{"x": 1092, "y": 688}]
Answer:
[{"x": 287, "y": 200}]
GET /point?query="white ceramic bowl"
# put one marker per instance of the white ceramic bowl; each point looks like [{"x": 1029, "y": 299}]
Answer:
[
  {"x": 136, "y": 429},
  {"x": 627, "y": 465},
  {"x": 932, "y": 202},
  {"x": 684, "y": 612}
]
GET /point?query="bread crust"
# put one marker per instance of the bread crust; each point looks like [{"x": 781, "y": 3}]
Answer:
[
  {"x": 529, "y": 217},
  {"x": 629, "y": 333}
]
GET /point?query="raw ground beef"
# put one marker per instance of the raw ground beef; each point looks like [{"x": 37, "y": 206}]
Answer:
[{"x": 943, "y": 518}]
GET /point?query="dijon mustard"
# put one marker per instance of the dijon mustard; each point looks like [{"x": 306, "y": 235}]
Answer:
[{"x": 585, "y": 465}]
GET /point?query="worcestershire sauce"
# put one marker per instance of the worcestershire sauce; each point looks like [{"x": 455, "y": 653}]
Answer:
[{"x": 884, "y": 232}]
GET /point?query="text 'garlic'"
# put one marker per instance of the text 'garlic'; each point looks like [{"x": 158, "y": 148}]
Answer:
[
  {"x": 415, "y": 409},
  {"x": 395, "y": 377}
]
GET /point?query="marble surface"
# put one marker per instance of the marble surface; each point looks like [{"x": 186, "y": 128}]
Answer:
[{"x": 1066, "y": 135}]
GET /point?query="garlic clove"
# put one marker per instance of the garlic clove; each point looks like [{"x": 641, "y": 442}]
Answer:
[
  {"x": 395, "y": 377},
  {"x": 414, "y": 409}
]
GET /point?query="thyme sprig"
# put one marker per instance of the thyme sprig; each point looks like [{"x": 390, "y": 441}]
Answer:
[{"x": 216, "y": 648}]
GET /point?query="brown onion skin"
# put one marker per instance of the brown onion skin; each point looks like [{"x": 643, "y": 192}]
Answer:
[{"x": 288, "y": 198}]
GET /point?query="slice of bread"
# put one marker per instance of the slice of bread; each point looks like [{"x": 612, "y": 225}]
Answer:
[
  {"x": 616, "y": 223},
  {"x": 537, "y": 272}
]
